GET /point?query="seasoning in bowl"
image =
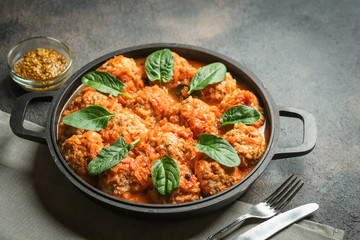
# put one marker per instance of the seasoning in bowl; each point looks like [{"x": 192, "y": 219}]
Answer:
[{"x": 41, "y": 64}]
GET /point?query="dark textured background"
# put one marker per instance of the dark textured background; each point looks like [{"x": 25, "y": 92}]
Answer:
[{"x": 305, "y": 52}]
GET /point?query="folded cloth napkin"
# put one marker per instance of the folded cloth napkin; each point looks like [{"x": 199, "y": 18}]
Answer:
[{"x": 38, "y": 202}]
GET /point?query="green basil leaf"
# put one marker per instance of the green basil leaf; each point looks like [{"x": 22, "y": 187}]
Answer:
[
  {"x": 104, "y": 82},
  {"x": 160, "y": 65},
  {"x": 209, "y": 74},
  {"x": 91, "y": 118},
  {"x": 177, "y": 92},
  {"x": 218, "y": 149},
  {"x": 110, "y": 156},
  {"x": 165, "y": 175},
  {"x": 240, "y": 114}
]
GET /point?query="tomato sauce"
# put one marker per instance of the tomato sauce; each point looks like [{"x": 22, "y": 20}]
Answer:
[{"x": 165, "y": 124}]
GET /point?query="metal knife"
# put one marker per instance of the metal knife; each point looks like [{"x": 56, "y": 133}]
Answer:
[{"x": 277, "y": 223}]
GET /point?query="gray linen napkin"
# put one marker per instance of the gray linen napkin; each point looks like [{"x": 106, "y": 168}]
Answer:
[{"x": 38, "y": 202}]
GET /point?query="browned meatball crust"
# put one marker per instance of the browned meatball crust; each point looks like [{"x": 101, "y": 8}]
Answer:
[{"x": 248, "y": 142}]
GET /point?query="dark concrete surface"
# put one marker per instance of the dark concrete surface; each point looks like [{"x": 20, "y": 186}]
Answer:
[{"x": 306, "y": 53}]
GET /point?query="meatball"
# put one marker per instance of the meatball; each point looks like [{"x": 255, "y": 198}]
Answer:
[
  {"x": 128, "y": 179},
  {"x": 214, "y": 177},
  {"x": 154, "y": 103},
  {"x": 126, "y": 124},
  {"x": 176, "y": 142},
  {"x": 183, "y": 72},
  {"x": 248, "y": 142},
  {"x": 199, "y": 117},
  {"x": 125, "y": 70},
  {"x": 79, "y": 150},
  {"x": 86, "y": 97},
  {"x": 242, "y": 97},
  {"x": 187, "y": 191},
  {"x": 213, "y": 94}
]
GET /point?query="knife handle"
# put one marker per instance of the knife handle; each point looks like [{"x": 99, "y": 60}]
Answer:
[{"x": 229, "y": 228}]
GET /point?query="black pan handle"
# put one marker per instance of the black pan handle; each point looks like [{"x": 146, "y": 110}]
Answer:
[
  {"x": 309, "y": 133},
  {"x": 18, "y": 115}
]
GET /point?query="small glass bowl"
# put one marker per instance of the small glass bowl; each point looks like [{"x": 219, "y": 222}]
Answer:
[{"x": 25, "y": 46}]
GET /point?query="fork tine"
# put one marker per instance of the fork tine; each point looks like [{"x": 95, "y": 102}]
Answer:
[
  {"x": 289, "y": 198},
  {"x": 284, "y": 192},
  {"x": 280, "y": 200},
  {"x": 278, "y": 191}
]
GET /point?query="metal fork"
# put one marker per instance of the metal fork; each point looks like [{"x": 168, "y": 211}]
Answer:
[{"x": 269, "y": 207}]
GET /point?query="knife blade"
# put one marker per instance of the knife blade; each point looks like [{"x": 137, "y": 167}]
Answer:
[{"x": 277, "y": 223}]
